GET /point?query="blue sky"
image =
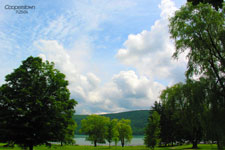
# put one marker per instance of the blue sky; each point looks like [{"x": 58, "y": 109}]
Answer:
[{"x": 116, "y": 54}]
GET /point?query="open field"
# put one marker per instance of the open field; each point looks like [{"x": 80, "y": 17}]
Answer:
[{"x": 69, "y": 147}]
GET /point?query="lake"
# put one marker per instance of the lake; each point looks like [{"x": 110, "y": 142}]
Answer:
[{"x": 136, "y": 140}]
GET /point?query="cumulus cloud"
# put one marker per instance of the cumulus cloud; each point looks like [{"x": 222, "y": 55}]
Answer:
[
  {"x": 136, "y": 91},
  {"x": 125, "y": 91},
  {"x": 150, "y": 51}
]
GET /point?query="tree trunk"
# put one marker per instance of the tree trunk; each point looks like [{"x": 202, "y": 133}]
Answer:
[
  {"x": 195, "y": 144},
  {"x": 31, "y": 147},
  {"x": 95, "y": 143},
  {"x": 219, "y": 145},
  {"x": 122, "y": 142}
]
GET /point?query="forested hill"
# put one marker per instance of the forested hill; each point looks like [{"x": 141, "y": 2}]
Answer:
[{"x": 138, "y": 120}]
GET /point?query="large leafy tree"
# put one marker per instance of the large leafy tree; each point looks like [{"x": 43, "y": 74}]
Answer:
[
  {"x": 194, "y": 96},
  {"x": 95, "y": 127},
  {"x": 188, "y": 104},
  {"x": 200, "y": 30},
  {"x": 171, "y": 128},
  {"x": 152, "y": 130},
  {"x": 125, "y": 131},
  {"x": 35, "y": 105}
]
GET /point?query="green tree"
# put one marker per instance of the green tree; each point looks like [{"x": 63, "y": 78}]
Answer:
[
  {"x": 168, "y": 125},
  {"x": 68, "y": 138},
  {"x": 112, "y": 132},
  {"x": 171, "y": 128},
  {"x": 200, "y": 30},
  {"x": 95, "y": 127},
  {"x": 194, "y": 97},
  {"x": 215, "y": 3},
  {"x": 35, "y": 104},
  {"x": 124, "y": 130},
  {"x": 152, "y": 130},
  {"x": 188, "y": 104}
]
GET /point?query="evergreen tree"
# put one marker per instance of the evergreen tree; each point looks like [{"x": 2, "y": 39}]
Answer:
[{"x": 152, "y": 131}]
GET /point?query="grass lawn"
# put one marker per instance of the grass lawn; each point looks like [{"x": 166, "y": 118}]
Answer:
[{"x": 69, "y": 147}]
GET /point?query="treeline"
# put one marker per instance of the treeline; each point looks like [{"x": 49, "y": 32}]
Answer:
[
  {"x": 138, "y": 118},
  {"x": 101, "y": 129},
  {"x": 194, "y": 111}
]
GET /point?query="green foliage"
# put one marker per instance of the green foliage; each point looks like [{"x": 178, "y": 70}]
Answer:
[
  {"x": 112, "y": 132},
  {"x": 35, "y": 105},
  {"x": 152, "y": 130},
  {"x": 101, "y": 128},
  {"x": 169, "y": 128},
  {"x": 138, "y": 119},
  {"x": 187, "y": 104},
  {"x": 215, "y": 3},
  {"x": 124, "y": 130},
  {"x": 68, "y": 138},
  {"x": 95, "y": 127},
  {"x": 200, "y": 30}
]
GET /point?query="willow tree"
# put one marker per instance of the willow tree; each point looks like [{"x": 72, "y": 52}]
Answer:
[
  {"x": 95, "y": 127},
  {"x": 200, "y": 31},
  {"x": 124, "y": 130}
]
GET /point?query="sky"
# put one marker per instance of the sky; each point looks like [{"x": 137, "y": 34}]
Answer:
[{"x": 116, "y": 54}]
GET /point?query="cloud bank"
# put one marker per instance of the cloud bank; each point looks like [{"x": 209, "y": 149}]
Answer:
[
  {"x": 150, "y": 51},
  {"x": 125, "y": 91}
]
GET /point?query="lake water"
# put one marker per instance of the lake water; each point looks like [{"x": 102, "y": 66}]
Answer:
[{"x": 136, "y": 140}]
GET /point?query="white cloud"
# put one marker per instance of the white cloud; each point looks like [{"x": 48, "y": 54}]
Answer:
[
  {"x": 68, "y": 37},
  {"x": 150, "y": 51},
  {"x": 125, "y": 91}
]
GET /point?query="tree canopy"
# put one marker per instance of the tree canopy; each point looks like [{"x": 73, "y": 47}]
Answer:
[
  {"x": 125, "y": 131},
  {"x": 152, "y": 130},
  {"x": 112, "y": 132},
  {"x": 95, "y": 127},
  {"x": 187, "y": 104},
  {"x": 199, "y": 30},
  {"x": 35, "y": 105},
  {"x": 215, "y": 3}
]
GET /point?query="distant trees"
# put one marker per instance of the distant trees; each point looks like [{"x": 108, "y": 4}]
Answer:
[
  {"x": 112, "y": 132},
  {"x": 125, "y": 131},
  {"x": 95, "y": 127},
  {"x": 35, "y": 105},
  {"x": 100, "y": 128},
  {"x": 152, "y": 130}
]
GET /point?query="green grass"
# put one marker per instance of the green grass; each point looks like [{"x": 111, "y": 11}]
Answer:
[{"x": 69, "y": 147}]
